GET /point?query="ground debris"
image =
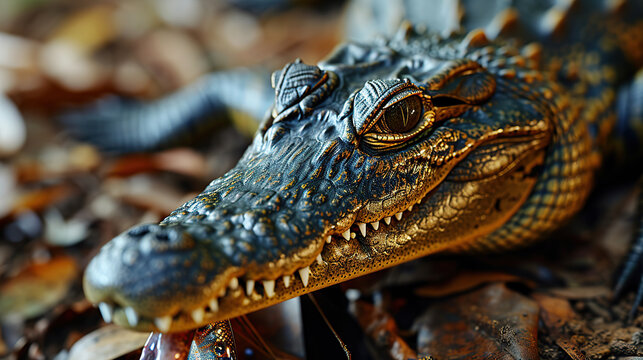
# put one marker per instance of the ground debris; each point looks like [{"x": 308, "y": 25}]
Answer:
[
  {"x": 493, "y": 322},
  {"x": 108, "y": 342},
  {"x": 60, "y": 200},
  {"x": 383, "y": 331}
]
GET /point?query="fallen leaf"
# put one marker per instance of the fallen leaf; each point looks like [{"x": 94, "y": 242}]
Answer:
[
  {"x": 491, "y": 323},
  {"x": 556, "y": 313},
  {"x": 18, "y": 53},
  {"x": 578, "y": 293},
  {"x": 89, "y": 28},
  {"x": 83, "y": 158},
  {"x": 173, "y": 56},
  {"x": 66, "y": 56},
  {"x": 382, "y": 329},
  {"x": 7, "y": 189},
  {"x": 180, "y": 161},
  {"x": 465, "y": 281},
  {"x": 38, "y": 200},
  {"x": 146, "y": 193},
  {"x": 37, "y": 288},
  {"x": 108, "y": 342},
  {"x": 61, "y": 232}
]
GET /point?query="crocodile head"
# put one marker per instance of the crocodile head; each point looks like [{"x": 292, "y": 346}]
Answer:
[{"x": 380, "y": 154}]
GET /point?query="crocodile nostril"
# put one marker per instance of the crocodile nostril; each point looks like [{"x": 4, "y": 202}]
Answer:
[
  {"x": 162, "y": 236},
  {"x": 139, "y": 231},
  {"x": 169, "y": 234}
]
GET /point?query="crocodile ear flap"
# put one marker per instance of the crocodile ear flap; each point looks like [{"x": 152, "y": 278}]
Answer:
[{"x": 458, "y": 87}]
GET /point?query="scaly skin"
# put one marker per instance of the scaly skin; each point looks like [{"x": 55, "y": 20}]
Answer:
[{"x": 336, "y": 185}]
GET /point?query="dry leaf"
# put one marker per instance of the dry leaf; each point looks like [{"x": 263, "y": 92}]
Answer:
[
  {"x": 382, "y": 329},
  {"x": 556, "y": 314},
  {"x": 145, "y": 192},
  {"x": 38, "y": 200},
  {"x": 491, "y": 323},
  {"x": 37, "y": 288},
  {"x": 106, "y": 343},
  {"x": 466, "y": 281},
  {"x": 578, "y": 293},
  {"x": 182, "y": 161}
]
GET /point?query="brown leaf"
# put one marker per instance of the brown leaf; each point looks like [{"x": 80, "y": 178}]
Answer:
[
  {"x": 556, "y": 314},
  {"x": 173, "y": 56},
  {"x": 66, "y": 57},
  {"x": 38, "y": 200},
  {"x": 382, "y": 329},
  {"x": 7, "y": 189},
  {"x": 107, "y": 342},
  {"x": 466, "y": 281},
  {"x": 491, "y": 323},
  {"x": 37, "y": 288},
  {"x": 578, "y": 293},
  {"x": 145, "y": 192},
  {"x": 180, "y": 161}
]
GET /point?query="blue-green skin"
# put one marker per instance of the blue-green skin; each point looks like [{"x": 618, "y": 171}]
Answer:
[{"x": 310, "y": 174}]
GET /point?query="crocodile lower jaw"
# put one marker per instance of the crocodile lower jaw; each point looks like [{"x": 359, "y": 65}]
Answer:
[{"x": 245, "y": 295}]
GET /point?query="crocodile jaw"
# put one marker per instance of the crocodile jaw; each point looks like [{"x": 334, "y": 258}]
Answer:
[{"x": 449, "y": 215}]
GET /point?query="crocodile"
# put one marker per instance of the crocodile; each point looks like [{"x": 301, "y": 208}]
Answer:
[{"x": 384, "y": 152}]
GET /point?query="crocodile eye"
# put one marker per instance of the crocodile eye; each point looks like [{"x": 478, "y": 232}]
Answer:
[
  {"x": 388, "y": 113},
  {"x": 401, "y": 116},
  {"x": 399, "y": 122}
]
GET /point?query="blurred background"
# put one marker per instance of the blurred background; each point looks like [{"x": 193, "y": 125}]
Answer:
[{"x": 61, "y": 199}]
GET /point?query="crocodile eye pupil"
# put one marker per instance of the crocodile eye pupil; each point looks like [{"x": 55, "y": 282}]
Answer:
[{"x": 403, "y": 115}]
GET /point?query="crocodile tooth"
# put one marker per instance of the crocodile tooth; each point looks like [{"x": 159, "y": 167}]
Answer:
[
  {"x": 328, "y": 238},
  {"x": 250, "y": 285},
  {"x": 375, "y": 225},
  {"x": 303, "y": 273},
  {"x": 347, "y": 234},
  {"x": 362, "y": 228},
  {"x": 286, "y": 281},
  {"x": 214, "y": 305},
  {"x": 269, "y": 287},
  {"x": 387, "y": 220},
  {"x": 234, "y": 283},
  {"x": 107, "y": 311},
  {"x": 353, "y": 235},
  {"x": 222, "y": 292},
  {"x": 319, "y": 259},
  {"x": 197, "y": 315},
  {"x": 131, "y": 315},
  {"x": 410, "y": 208},
  {"x": 398, "y": 216},
  {"x": 163, "y": 323}
]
